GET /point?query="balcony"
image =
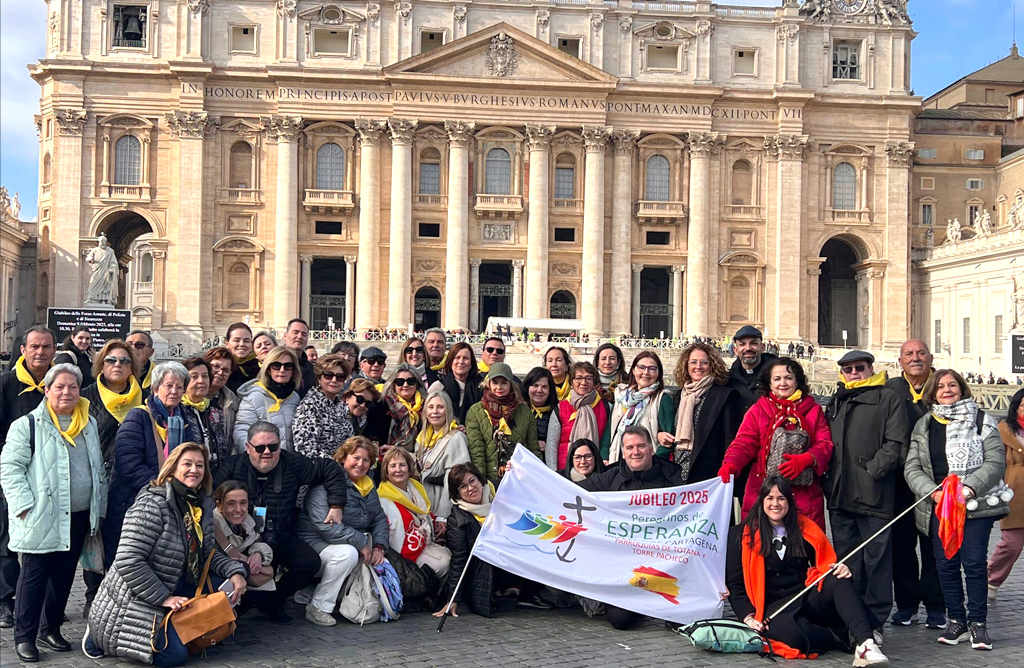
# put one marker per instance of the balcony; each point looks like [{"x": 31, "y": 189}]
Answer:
[
  {"x": 569, "y": 207},
  {"x": 125, "y": 193},
  {"x": 743, "y": 210},
  {"x": 660, "y": 213},
  {"x": 239, "y": 196},
  {"x": 328, "y": 201},
  {"x": 44, "y": 190},
  {"x": 847, "y": 216},
  {"x": 430, "y": 201},
  {"x": 499, "y": 206}
]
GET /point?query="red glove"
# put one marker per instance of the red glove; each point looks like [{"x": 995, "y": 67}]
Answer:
[
  {"x": 795, "y": 464},
  {"x": 727, "y": 471}
]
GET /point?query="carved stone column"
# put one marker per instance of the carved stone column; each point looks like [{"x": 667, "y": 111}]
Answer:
[
  {"x": 622, "y": 227},
  {"x": 400, "y": 257},
  {"x": 517, "y": 288},
  {"x": 350, "y": 291},
  {"x": 595, "y": 138},
  {"x": 788, "y": 152},
  {"x": 677, "y": 299},
  {"x": 66, "y": 216},
  {"x": 896, "y": 324},
  {"x": 538, "y": 137},
  {"x": 635, "y": 306},
  {"x": 456, "y": 303},
  {"x": 367, "y": 296},
  {"x": 307, "y": 287},
  {"x": 284, "y": 130},
  {"x": 474, "y": 294},
  {"x": 703, "y": 145}
]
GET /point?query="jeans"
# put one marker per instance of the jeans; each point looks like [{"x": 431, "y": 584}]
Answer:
[
  {"x": 872, "y": 566},
  {"x": 174, "y": 654},
  {"x": 972, "y": 559},
  {"x": 302, "y": 563}
]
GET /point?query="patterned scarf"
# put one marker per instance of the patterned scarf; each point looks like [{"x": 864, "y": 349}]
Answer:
[
  {"x": 171, "y": 426},
  {"x": 636, "y": 401},
  {"x": 499, "y": 408},
  {"x": 189, "y": 502},
  {"x": 689, "y": 397},
  {"x": 404, "y": 418},
  {"x": 583, "y": 418},
  {"x": 965, "y": 449},
  {"x": 21, "y": 372}
]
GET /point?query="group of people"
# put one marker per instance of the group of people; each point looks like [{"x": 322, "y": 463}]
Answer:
[{"x": 286, "y": 471}]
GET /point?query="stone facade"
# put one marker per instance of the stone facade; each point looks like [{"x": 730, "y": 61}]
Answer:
[
  {"x": 640, "y": 166},
  {"x": 17, "y": 271}
]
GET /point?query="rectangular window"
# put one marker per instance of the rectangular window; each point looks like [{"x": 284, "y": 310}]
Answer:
[
  {"x": 430, "y": 178},
  {"x": 938, "y": 335},
  {"x": 570, "y": 45},
  {"x": 990, "y": 95},
  {"x": 131, "y": 26},
  {"x": 975, "y": 184},
  {"x": 974, "y": 154},
  {"x": 430, "y": 40},
  {"x": 998, "y": 328},
  {"x": 328, "y": 227},
  {"x": 846, "y": 60},
  {"x": 566, "y": 234},
  {"x": 927, "y": 183},
  {"x": 927, "y": 214},
  {"x": 429, "y": 230},
  {"x": 744, "y": 62},
  {"x": 243, "y": 39},
  {"x": 967, "y": 336},
  {"x": 658, "y": 238},
  {"x": 565, "y": 187},
  {"x": 928, "y": 153},
  {"x": 1020, "y": 107},
  {"x": 331, "y": 42},
  {"x": 972, "y": 213},
  {"x": 662, "y": 57}
]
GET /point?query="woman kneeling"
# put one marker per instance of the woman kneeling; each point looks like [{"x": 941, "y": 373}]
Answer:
[{"x": 772, "y": 556}]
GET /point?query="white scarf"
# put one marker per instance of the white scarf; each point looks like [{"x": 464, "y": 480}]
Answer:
[{"x": 965, "y": 449}]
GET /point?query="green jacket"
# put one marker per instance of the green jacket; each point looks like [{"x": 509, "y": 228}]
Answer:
[
  {"x": 482, "y": 449},
  {"x": 41, "y": 483}
]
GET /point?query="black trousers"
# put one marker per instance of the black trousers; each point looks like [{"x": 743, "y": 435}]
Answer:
[
  {"x": 302, "y": 562},
  {"x": 620, "y": 618},
  {"x": 45, "y": 584},
  {"x": 839, "y": 617},
  {"x": 872, "y": 566},
  {"x": 9, "y": 567},
  {"x": 912, "y": 585}
]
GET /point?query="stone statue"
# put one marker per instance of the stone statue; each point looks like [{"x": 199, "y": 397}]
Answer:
[
  {"x": 983, "y": 226},
  {"x": 1018, "y": 302},
  {"x": 1015, "y": 216},
  {"x": 103, "y": 280},
  {"x": 15, "y": 207},
  {"x": 953, "y": 231},
  {"x": 929, "y": 238}
]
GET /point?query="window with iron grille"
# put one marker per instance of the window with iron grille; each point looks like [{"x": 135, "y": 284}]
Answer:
[
  {"x": 998, "y": 347},
  {"x": 656, "y": 180},
  {"x": 128, "y": 161},
  {"x": 430, "y": 178},
  {"x": 565, "y": 182},
  {"x": 498, "y": 177},
  {"x": 844, "y": 186},
  {"x": 330, "y": 167},
  {"x": 845, "y": 60}
]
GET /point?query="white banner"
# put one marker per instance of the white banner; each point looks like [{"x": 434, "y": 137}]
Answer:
[{"x": 656, "y": 552}]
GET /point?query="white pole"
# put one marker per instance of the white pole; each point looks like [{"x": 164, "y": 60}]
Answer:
[{"x": 458, "y": 585}]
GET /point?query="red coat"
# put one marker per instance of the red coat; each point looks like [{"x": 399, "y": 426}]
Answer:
[
  {"x": 751, "y": 445},
  {"x": 565, "y": 411}
]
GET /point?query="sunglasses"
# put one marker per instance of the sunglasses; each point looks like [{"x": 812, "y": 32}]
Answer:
[
  {"x": 287, "y": 366},
  {"x": 332, "y": 375},
  {"x": 260, "y": 449},
  {"x": 375, "y": 360},
  {"x": 494, "y": 351},
  {"x": 418, "y": 350},
  {"x": 856, "y": 367},
  {"x": 402, "y": 382},
  {"x": 139, "y": 345},
  {"x": 360, "y": 399},
  {"x": 114, "y": 361}
]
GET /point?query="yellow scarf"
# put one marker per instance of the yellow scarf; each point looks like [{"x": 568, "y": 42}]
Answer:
[
  {"x": 116, "y": 404},
  {"x": 940, "y": 420},
  {"x": 389, "y": 491},
  {"x": 205, "y": 403},
  {"x": 240, "y": 362},
  {"x": 25, "y": 377},
  {"x": 414, "y": 407},
  {"x": 364, "y": 485},
  {"x": 914, "y": 394},
  {"x": 440, "y": 365},
  {"x": 79, "y": 418},
  {"x": 428, "y": 438},
  {"x": 380, "y": 388},
  {"x": 147, "y": 379},
  {"x": 539, "y": 412},
  {"x": 597, "y": 398},
  {"x": 197, "y": 520},
  {"x": 503, "y": 427},
  {"x": 277, "y": 401},
  {"x": 878, "y": 380},
  {"x": 564, "y": 389},
  {"x": 162, "y": 431},
  {"x": 484, "y": 368}
]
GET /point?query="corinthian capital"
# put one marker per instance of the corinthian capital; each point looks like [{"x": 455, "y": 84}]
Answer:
[
  {"x": 70, "y": 121},
  {"x": 595, "y": 137},
  {"x": 538, "y": 135},
  {"x": 283, "y": 128},
  {"x": 625, "y": 140},
  {"x": 704, "y": 144},
  {"x": 193, "y": 124},
  {"x": 900, "y": 153},
  {"x": 786, "y": 147},
  {"x": 370, "y": 131},
  {"x": 460, "y": 133},
  {"x": 402, "y": 130}
]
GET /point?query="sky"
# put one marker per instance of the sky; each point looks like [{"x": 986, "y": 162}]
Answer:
[{"x": 956, "y": 37}]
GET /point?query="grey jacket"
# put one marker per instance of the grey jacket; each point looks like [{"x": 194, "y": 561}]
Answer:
[
  {"x": 364, "y": 519},
  {"x": 921, "y": 478},
  {"x": 254, "y": 405},
  {"x": 149, "y": 564}
]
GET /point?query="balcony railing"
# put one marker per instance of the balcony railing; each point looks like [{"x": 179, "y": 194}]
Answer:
[
  {"x": 743, "y": 210},
  {"x": 44, "y": 190},
  {"x": 240, "y": 196},
  {"x": 651, "y": 212},
  {"x": 431, "y": 201},
  {"x": 568, "y": 206},
  {"x": 848, "y": 215},
  {"x": 499, "y": 206},
  {"x": 334, "y": 201},
  {"x": 119, "y": 192}
]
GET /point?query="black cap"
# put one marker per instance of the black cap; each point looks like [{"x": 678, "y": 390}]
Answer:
[
  {"x": 371, "y": 352},
  {"x": 747, "y": 332},
  {"x": 856, "y": 356}
]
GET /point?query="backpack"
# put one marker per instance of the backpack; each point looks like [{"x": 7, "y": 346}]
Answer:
[
  {"x": 724, "y": 635},
  {"x": 360, "y": 602}
]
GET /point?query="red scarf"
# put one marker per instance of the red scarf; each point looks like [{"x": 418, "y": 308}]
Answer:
[
  {"x": 784, "y": 411},
  {"x": 499, "y": 407}
]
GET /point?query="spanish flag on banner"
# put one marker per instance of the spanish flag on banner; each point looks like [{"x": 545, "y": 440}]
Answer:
[{"x": 656, "y": 582}]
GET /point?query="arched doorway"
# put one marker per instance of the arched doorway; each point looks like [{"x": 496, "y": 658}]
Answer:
[
  {"x": 563, "y": 305},
  {"x": 122, "y": 228},
  {"x": 427, "y": 308},
  {"x": 837, "y": 294},
  {"x": 655, "y": 302}
]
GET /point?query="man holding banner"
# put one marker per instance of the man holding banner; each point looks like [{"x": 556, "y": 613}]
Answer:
[{"x": 659, "y": 553}]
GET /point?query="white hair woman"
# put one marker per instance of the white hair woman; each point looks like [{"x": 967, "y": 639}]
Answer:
[{"x": 439, "y": 447}]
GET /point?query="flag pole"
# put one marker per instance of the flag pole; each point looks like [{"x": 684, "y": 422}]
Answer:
[
  {"x": 853, "y": 552},
  {"x": 458, "y": 585}
]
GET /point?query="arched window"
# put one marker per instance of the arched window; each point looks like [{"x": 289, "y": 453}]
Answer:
[
  {"x": 563, "y": 305},
  {"x": 742, "y": 183},
  {"x": 241, "y": 165},
  {"x": 128, "y": 161},
  {"x": 498, "y": 174},
  {"x": 565, "y": 176},
  {"x": 844, "y": 186},
  {"x": 146, "y": 268},
  {"x": 330, "y": 167},
  {"x": 237, "y": 292},
  {"x": 656, "y": 186},
  {"x": 739, "y": 299},
  {"x": 47, "y": 164},
  {"x": 430, "y": 171}
]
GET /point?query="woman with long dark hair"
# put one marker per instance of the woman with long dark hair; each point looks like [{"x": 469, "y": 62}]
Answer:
[
  {"x": 1011, "y": 429},
  {"x": 639, "y": 403},
  {"x": 461, "y": 380},
  {"x": 558, "y": 362},
  {"x": 772, "y": 556},
  {"x": 77, "y": 350},
  {"x": 540, "y": 393},
  {"x": 611, "y": 370}
]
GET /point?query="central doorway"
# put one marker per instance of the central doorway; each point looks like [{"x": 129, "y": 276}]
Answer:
[
  {"x": 327, "y": 293},
  {"x": 837, "y": 295}
]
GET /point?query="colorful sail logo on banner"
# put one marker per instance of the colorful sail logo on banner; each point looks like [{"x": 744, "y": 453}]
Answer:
[
  {"x": 656, "y": 582},
  {"x": 547, "y": 527}
]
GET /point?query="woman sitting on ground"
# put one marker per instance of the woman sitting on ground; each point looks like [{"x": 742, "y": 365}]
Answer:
[
  {"x": 771, "y": 557},
  {"x": 583, "y": 460},
  {"x": 237, "y": 537}
]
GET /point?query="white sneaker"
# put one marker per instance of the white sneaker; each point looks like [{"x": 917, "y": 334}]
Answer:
[
  {"x": 993, "y": 592},
  {"x": 877, "y": 635},
  {"x": 317, "y": 616},
  {"x": 868, "y": 653},
  {"x": 304, "y": 596}
]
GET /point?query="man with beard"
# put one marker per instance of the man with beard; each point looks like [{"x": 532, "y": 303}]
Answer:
[{"x": 748, "y": 345}]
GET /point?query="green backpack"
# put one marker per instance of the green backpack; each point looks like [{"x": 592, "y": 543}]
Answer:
[{"x": 724, "y": 635}]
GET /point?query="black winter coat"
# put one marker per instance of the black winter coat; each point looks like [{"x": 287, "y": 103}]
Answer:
[
  {"x": 745, "y": 382},
  {"x": 869, "y": 429},
  {"x": 478, "y": 587},
  {"x": 720, "y": 417},
  {"x": 105, "y": 422},
  {"x": 471, "y": 395},
  {"x": 915, "y": 411},
  {"x": 14, "y": 402},
  {"x": 280, "y": 487},
  {"x": 619, "y": 477},
  {"x": 70, "y": 354},
  {"x": 243, "y": 374}
]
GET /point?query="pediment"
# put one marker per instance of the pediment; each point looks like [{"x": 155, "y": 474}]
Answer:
[
  {"x": 238, "y": 244},
  {"x": 331, "y": 15},
  {"x": 666, "y": 31},
  {"x": 501, "y": 53}
]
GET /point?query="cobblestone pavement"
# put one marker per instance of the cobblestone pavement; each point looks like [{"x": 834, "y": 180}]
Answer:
[{"x": 531, "y": 638}]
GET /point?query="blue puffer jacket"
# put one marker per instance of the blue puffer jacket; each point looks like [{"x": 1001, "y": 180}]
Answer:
[{"x": 136, "y": 460}]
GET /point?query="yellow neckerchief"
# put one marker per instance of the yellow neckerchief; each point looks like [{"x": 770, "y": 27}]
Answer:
[
  {"x": 597, "y": 398},
  {"x": 197, "y": 520},
  {"x": 414, "y": 407},
  {"x": 162, "y": 431},
  {"x": 503, "y": 427},
  {"x": 116, "y": 404},
  {"x": 564, "y": 389},
  {"x": 364, "y": 485},
  {"x": 428, "y": 438},
  {"x": 147, "y": 379},
  {"x": 484, "y": 368},
  {"x": 23, "y": 375},
  {"x": 248, "y": 358},
  {"x": 878, "y": 380},
  {"x": 940, "y": 420},
  {"x": 205, "y": 403},
  {"x": 389, "y": 491},
  {"x": 79, "y": 418},
  {"x": 380, "y": 388},
  {"x": 440, "y": 365},
  {"x": 277, "y": 401},
  {"x": 539, "y": 412},
  {"x": 914, "y": 394},
  {"x": 795, "y": 397}
]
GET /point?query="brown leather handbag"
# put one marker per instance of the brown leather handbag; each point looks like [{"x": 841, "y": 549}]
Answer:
[{"x": 204, "y": 621}]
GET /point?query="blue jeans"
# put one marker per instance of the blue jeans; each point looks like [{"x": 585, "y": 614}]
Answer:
[
  {"x": 176, "y": 653},
  {"x": 973, "y": 559}
]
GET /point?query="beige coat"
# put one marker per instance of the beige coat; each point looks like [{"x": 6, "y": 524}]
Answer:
[
  {"x": 241, "y": 547},
  {"x": 1014, "y": 476}
]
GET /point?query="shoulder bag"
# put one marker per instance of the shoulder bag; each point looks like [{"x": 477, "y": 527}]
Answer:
[{"x": 204, "y": 621}]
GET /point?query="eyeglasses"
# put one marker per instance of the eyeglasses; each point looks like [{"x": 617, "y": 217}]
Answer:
[
  {"x": 644, "y": 368},
  {"x": 114, "y": 361},
  {"x": 402, "y": 382},
  {"x": 583, "y": 458},
  {"x": 854, "y": 367},
  {"x": 277, "y": 366},
  {"x": 360, "y": 399},
  {"x": 379, "y": 361},
  {"x": 260, "y": 449},
  {"x": 139, "y": 345},
  {"x": 418, "y": 350},
  {"x": 472, "y": 482},
  {"x": 583, "y": 379},
  {"x": 331, "y": 375},
  {"x": 494, "y": 351}
]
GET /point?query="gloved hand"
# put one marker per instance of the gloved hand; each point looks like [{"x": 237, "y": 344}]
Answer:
[
  {"x": 795, "y": 464},
  {"x": 726, "y": 471}
]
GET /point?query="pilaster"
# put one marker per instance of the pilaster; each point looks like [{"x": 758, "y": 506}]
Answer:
[
  {"x": 400, "y": 255},
  {"x": 370, "y": 132},
  {"x": 595, "y": 139}
]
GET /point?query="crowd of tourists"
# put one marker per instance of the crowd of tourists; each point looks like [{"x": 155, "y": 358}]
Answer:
[{"x": 285, "y": 472}]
